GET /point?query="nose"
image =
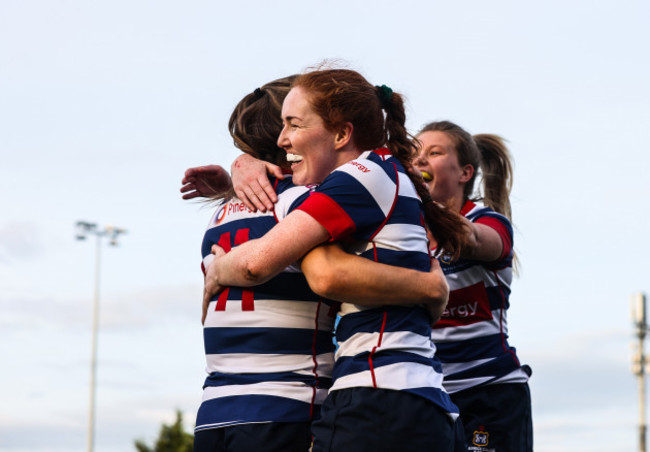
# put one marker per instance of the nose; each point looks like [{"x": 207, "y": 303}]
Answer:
[
  {"x": 283, "y": 141},
  {"x": 420, "y": 160}
]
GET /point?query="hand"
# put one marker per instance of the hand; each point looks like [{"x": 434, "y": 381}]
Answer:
[
  {"x": 418, "y": 175},
  {"x": 436, "y": 306},
  {"x": 211, "y": 284},
  {"x": 251, "y": 182},
  {"x": 205, "y": 181}
]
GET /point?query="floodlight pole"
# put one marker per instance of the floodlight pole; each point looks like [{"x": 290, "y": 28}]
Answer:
[
  {"x": 83, "y": 229},
  {"x": 639, "y": 361}
]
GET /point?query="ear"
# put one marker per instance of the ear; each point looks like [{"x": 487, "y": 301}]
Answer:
[
  {"x": 343, "y": 136},
  {"x": 466, "y": 173}
]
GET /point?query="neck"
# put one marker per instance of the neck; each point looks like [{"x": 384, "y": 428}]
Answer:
[
  {"x": 456, "y": 203},
  {"x": 347, "y": 154}
]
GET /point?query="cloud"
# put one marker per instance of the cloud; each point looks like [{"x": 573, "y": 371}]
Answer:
[{"x": 19, "y": 240}]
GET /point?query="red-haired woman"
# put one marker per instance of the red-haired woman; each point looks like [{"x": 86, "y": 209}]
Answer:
[{"x": 349, "y": 137}]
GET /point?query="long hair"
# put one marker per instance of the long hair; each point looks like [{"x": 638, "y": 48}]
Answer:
[
  {"x": 255, "y": 124},
  {"x": 378, "y": 119}
]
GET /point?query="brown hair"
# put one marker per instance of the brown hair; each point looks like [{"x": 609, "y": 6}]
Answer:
[
  {"x": 377, "y": 116},
  {"x": 256, "y": 123},
  {"x": 487, "y": 153}
]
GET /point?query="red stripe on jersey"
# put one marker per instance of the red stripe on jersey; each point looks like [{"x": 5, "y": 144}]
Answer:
[
  {"x": 469, "y": 205},
  {"x": 381, "y": 336},
  {"x": 224, "y": 241},
  {"x": 241, "y": 236},
  {"x": 501, "y": 229},
  {"x": 247, "y": 300},
  {"x": 503, "y": 312},
  {"x": 314, "y": 354},
  {"x": 329, "y": 214},
  {"x": 383, "y": 152},
  {"x": 221, "y": 301}
]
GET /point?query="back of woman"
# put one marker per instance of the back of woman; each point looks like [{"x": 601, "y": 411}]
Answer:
[{"x": 265, "y": 360}]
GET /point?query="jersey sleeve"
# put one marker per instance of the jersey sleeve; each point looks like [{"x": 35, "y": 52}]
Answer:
[
  {"x": 502, "y": 226},
  {"x": 354, "y": 201}
]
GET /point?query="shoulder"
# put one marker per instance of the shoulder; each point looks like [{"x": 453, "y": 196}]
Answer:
[
  {"x": 478, "y": 213},
  {"x": 368, "y": 170},
  {"x": 289, "y": 197}
]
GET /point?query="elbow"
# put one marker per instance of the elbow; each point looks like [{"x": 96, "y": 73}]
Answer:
[
  {"x": 255, "y": 273},
  {"x": 323, "y": 282}
]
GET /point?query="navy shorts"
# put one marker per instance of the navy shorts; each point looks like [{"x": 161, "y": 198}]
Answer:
[
  {"x": 376, "y": 420},
  {"x": 496, "y": 418},
  {"x": 268, "y": 437}
]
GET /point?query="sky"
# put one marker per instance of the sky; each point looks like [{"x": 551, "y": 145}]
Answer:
[{"x": 103, "y": 105}]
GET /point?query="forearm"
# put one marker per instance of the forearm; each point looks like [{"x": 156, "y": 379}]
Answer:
[
  {"x": 337, "y": 275},
  {"x": 256, "y": 261},
  {"x": 483, "y": 243},
  {"x": 241, "y": 266}
]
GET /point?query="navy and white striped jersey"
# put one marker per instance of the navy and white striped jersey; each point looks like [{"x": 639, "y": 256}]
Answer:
[
  {"x": 268, "y": 348},
  {"x": 371, "y": 206},
  {"x": 472, "y": 335}
]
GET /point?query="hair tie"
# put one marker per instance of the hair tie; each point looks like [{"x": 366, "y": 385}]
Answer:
[
  {"x": 258, "y": 93},
  {"x": 385, "y": 95}
]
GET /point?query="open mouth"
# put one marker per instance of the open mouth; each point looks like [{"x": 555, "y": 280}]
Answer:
[
  {"x": 426, "y": 176},
  {"x": 294, "y": 158}
]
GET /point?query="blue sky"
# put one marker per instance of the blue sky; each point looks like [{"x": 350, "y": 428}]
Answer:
[{"x": 104, "y": 104}]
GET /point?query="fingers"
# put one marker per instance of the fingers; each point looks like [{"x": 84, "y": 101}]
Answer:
[
  {"x": 189, "y": 190},
  {"x": 255, "y": 199},
  {"x": 274, "y": 170},
  {"x": 206, "y": 303},
  {"x": 191, "y": 195},
  {"x": 217, "y": 251},
  {"x": 268, "y": 195}
]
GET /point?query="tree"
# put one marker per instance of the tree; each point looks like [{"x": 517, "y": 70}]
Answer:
[{"x": 172, "y": 438}]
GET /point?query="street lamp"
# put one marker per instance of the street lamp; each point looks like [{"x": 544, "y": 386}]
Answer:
[
  {"x": 84, "y": 229},
  {"x": 638, "y": 304}
]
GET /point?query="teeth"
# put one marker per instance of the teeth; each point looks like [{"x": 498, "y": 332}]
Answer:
[
  {"x": 294, "y": 158},
  {"x": 426, "y": 176}
]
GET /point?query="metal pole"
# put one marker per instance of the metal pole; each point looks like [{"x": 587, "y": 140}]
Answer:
[
  {"x": 639, "y": 362},
  {"x": 83, "y": 229},
  {"x": 93, "y": 362},
  {"x": 642, "y": 420}
]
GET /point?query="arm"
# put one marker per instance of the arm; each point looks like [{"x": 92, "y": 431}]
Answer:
[
  {"x": 256, "y": 261},
  {"x": 251, "y": 182},
  {"x": 335, "y": 274},
  {"x": 484, "y": 243},
  {"x": 205, "y": 181}
]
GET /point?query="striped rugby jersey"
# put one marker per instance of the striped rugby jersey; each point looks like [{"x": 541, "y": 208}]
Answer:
[
  {"x": 269, "y": 349},
  {"x": 371, "y": 206},
  {"x": 472, "y": 335}
]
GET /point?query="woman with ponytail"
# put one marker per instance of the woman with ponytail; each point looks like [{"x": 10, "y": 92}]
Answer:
[
  {"x": 348, "y": 136},
  {"x": 482, "y": 372},
  {"x": 264, "y": 394}
]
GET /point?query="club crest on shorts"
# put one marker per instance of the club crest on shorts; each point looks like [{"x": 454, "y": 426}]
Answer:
[{"x": 481, "y": 438}]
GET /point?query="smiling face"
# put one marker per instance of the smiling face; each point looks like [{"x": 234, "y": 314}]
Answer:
[
  {"x": 438, "y": 159},
  {"x": 310, "y": 147}
]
